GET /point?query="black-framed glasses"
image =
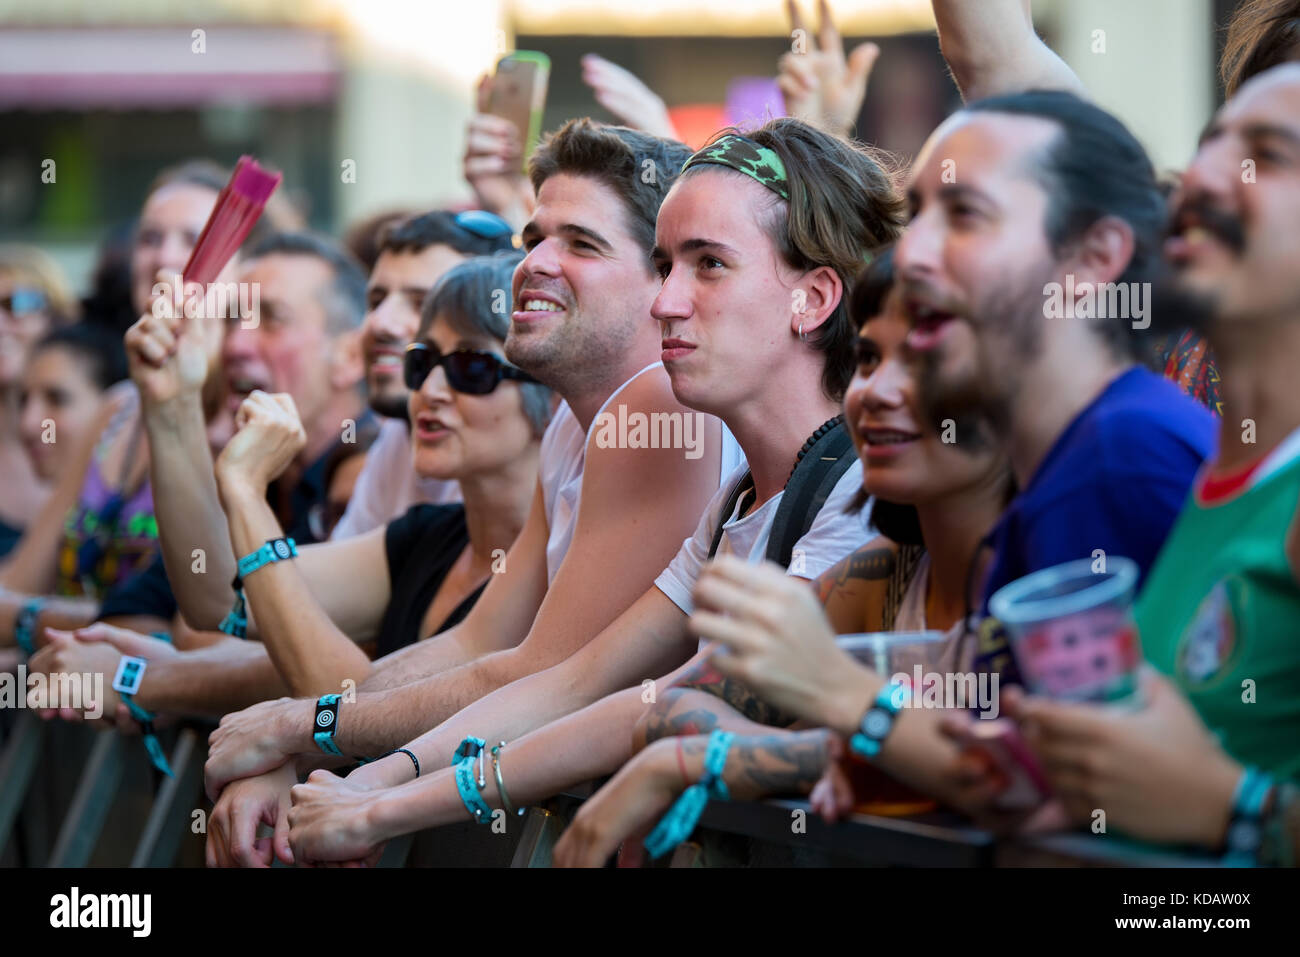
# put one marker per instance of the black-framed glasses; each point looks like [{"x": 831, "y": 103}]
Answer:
[
  {"x": 483, "y": 224},
  {"x": 468, "y": 370}
]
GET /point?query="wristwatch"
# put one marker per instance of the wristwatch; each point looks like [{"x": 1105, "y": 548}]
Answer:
[{"x": 876, "y": 724}]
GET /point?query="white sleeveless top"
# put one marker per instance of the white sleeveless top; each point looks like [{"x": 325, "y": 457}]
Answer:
[{"x": 561, "y": 460}]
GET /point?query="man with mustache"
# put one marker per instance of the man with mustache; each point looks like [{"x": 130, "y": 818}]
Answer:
[
  {"x": 414, "y": 253},
  {"x": 1012, "y": 197},
  {"x": 1221, "y": 608}
]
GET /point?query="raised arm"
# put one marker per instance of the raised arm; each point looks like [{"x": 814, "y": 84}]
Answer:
[
  {"x": 991, "y": 48},
  {"x": 169, "y": 358},
  {"x": 311, "y": 651}
]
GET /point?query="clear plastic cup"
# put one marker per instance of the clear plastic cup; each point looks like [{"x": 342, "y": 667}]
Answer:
[
  {"x": 1072, "y": 631},
  {"x": 890, "y": 653},
  {"x": 893, "y": 652}
]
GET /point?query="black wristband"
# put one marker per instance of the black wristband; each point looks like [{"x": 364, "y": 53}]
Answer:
[{"x": 409, "y": 754}]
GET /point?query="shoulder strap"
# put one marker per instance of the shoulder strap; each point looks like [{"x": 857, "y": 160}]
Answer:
[
  {"x": 811, "y": 484},
  {"x": 746, "y": 482}
]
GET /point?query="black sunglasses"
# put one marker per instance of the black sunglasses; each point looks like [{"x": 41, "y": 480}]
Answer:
[{"x": 468, "y": 370}]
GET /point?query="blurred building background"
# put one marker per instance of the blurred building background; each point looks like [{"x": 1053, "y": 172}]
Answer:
[{"x": 114, "y": 90}]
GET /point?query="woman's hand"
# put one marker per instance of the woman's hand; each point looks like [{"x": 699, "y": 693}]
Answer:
[
  {"x": 1156, "y": 773},
  {"x": 232, "y": 826},
  {"x": 820, "y": 84},
  {"x": 269, "y": 436},
  {"x": 629, "y": 99},
  {"x": 334, "y": 821},
  {"x": 633, "y": 800},
  {"x": 779, "y": 644}
]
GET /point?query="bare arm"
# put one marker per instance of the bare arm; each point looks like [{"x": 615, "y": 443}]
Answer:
[
  {"x": 211, "y": 681},
  {"x": 637, "y": 507},
  {"x": 992, "y": 49},
  {"x": 312, "y": 653},
  {"x": 499, "y": 619}
]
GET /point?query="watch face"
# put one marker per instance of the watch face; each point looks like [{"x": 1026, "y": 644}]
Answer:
[
  {"x": 1244, "y": 836},
  {"x": 876, "y": 723}
]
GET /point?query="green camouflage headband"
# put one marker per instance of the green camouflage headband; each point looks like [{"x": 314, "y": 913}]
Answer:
[{"x": 745, "y": 156}]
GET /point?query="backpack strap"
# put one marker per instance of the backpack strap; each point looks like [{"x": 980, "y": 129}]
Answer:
[
  {"x": 811, "y": 483},
  {"x": 746, "y": 482}
]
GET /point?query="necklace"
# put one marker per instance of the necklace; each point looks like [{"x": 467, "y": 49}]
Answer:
[{"x": 812, "y": 440}]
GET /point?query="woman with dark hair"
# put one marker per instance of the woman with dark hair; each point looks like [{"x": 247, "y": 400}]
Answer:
[{"x": 475, "y": 419}]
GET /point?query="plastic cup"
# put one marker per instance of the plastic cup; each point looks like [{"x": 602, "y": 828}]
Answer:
[
  {"x": 1072, "y": 630},
  {"x": 889, "y": 653}
]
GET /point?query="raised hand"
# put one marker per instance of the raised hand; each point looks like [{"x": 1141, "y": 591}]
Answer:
[
  {"x": 821, "y": 85},
  {"x": 630, "y": 100},
  {"x": 168, "y": 348},
  {"x": 269, "y": 436},
  {"x": 493, "y": 163}
]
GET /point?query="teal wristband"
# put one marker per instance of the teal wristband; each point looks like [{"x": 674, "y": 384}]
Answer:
[
  {"x": 130, "y": 673},
  {"x": 326, "y": 723},
  {"x": 878, "y": 721},
  {"x": 1245, "y": 827},
  {"x": 463, "y": 762},
  {"x": 275, "y": 550},
  {"x": 25, "y": 625},
  {"x": 676, "y": 826}
]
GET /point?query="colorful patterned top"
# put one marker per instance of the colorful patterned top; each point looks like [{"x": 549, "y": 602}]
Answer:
[{"x": 107, "y": 538}]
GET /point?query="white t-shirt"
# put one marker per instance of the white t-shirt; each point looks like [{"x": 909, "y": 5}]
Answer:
[
  {"x": 834, "y": 534},
  {"x": 562, "y": 459},
  {"x": 388, "y": 484}
]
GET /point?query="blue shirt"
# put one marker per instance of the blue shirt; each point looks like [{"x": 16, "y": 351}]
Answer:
[{"x": 1114, "y": 480}]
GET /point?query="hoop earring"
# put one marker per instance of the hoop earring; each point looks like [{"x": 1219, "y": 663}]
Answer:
[{"x": 802, "y": 337}]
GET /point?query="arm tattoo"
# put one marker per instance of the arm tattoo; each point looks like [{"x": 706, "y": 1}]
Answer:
[
  {"x": 786, "y": 762},
  {"x": 704, "y": 677},
  {"x": 868, "y": 564},
  {"x": 670, "y": 725}
]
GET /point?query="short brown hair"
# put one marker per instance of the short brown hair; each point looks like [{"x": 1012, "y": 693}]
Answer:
[
  {"x": 844, "y": 206},
  {"x": 638, "y": 167},
  {"x": 1262, "y": 34}
]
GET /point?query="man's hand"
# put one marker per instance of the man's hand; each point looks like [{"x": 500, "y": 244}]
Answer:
[
  {"x": 243, "y": 805},
  {"x": 333, "y": 821},
  {"x": 493, "y": 163},
  {"x": 778, "y": 642},
  {"x": 270, "y": 435},
  {"x": 1157, "y": 773},
  {"x": 624, "y": 95},
  {"x": 630, "y": 803},
  {"x": 255, "y": 740},
  {"x": 821, "y": 85},
  {"x": 166, "y": 353}
]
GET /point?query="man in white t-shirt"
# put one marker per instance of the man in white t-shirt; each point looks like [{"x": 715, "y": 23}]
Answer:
[{"x": 414, "y": 254}]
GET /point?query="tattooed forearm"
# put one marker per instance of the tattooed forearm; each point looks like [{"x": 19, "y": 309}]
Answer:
[
  {"x": 784, "y": 762},
  {"x": 704, "y": 677},
  {"x": 693, "y": 721}
]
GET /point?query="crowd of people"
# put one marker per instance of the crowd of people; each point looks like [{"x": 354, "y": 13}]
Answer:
[{"x": 382, "y": 536}]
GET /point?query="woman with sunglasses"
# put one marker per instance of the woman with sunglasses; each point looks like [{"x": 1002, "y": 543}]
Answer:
[{"x": 475, "y": 419}]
